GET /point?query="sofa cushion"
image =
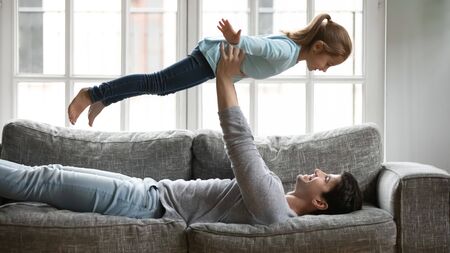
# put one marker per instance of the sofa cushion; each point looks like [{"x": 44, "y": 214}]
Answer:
[
  {"x": 32, "y": 227},
  {"x": 368, "y": 230},
  {"x": 356, "y": 149},
  {"x": 158, "y": 155},
  {"x": 209, "y": 157}
]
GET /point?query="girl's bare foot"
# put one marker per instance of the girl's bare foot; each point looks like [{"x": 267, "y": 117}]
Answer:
[
  {"x": 95, "y": 110},
  {"x": 78, "y": 104}
]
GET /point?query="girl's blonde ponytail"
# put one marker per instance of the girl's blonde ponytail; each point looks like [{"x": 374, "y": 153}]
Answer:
[{"x": 335, "y": 38}]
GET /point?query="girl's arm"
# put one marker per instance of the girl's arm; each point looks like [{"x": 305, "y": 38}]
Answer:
[
  {"x": 271, "y": 49},
  {"x": 261, "y": 190}
]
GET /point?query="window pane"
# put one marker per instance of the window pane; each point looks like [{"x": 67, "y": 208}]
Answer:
[
  {"x": 97, "y": 37},
  {"x": 153, "y": 113},
  {"x": 236, "y": 11},
  {"x": 107, "y": 120},
  {"x": 286, "y": 15},
  {"x": 30, "y": 3},
  {"x": 152, "y": 38},
  {"x": 41, "y": 37},
  {"x": 281, "y": 15},
  {"x": 358, "y": 103},
  {"x": 43, "y": 102},
  {"x": 338, "y": 6},
  {"x": 210, "y": 118},
  {"x": 281, "y": 109},
  {"x": 336, "y": 105},
  {"x": 148, "y": 3},
  {"x": 152, "y": 47},
  {"x": 347, "y": 13}
]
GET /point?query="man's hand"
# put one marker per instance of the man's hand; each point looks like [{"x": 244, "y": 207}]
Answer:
[
  {"x": 228, "y": 66},
  {"x": 230, "y": 62},
  {"x": 228, "y": 32}
]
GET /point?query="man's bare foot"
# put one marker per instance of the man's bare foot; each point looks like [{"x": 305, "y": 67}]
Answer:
[
  {"x": 78, "y": 104},
  {"x": 95, "y": 110}
]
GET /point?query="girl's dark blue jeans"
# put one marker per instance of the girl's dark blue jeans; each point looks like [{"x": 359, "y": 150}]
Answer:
[{"x": 191, "y": 71}]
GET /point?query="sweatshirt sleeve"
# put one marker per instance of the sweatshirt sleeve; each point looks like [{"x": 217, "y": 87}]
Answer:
[
  {"x": 261, "y": 189},
  {"x": 271, "y": 49}
]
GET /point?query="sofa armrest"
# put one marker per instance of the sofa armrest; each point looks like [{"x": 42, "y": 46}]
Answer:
[{"x": 417, "y": 196}]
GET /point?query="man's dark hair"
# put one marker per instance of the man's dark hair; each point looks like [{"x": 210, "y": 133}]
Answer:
[{"x": 345, "y": 197}]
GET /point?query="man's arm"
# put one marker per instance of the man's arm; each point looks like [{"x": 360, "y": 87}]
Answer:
[
  {"x": 228, "y": 66},
  {"x": 261, "y": 190}
]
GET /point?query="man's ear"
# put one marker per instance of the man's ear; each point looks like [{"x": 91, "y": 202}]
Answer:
[
  {"x": 320, "y": 204},
  {"x": 317, "y": 47}
]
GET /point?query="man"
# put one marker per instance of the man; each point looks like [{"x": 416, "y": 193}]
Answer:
[
  {"x": 261, "y": 189},
  {"x": 254, "y": 196}
]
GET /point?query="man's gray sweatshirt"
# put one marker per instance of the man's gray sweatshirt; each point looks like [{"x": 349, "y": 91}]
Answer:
[{"x": 254, "y": 196}]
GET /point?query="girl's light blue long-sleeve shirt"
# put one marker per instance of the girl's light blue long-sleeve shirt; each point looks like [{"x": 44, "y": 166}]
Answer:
[{"x": 266, "y": 56}]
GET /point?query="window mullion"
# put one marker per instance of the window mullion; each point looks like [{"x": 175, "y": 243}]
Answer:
[
  {"x": 253, "y": 16},
  {"x": 16, "y": 40},
  {"x": 182, "y": 50},
  {"x": 193, "y": 103},
  {"x": 364, "y": 64},
  {"x": 310, "y": 79},
  {"x": 15, "y": 58},
  {"x": 125, "y": 104},
  {"x": 253, "y": 100},
  {"x": 309, "y": 106},
  {"x": 68, "y": 34},
  {"x": 354, "y": 103},
  {"x": 253, "y": 121}
]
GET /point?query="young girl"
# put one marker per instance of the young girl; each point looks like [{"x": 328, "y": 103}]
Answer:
[{"x": 321, "y": 44}]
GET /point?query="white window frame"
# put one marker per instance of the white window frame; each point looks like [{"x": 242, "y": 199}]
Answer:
[
  {"x": 69, "y": 78},
  {"x": 189, "y": 102},
  {"x": 372, "y": 78}
]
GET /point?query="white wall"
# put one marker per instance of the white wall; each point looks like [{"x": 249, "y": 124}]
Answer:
[{"x": 417, "y": 122}]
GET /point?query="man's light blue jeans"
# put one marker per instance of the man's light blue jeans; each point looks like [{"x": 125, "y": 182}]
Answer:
[{"x": 81, "y": 190}]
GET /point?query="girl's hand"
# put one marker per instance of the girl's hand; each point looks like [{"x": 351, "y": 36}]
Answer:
[{"x": 228, "y": 32}]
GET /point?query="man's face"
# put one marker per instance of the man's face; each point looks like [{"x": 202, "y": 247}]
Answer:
[{"x": 309, "y": 187}]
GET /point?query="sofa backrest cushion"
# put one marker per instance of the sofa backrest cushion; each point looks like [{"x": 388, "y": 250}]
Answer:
[
  {"x": 356, "y": 149},
  {"x": 158, "y": 155},
  {"x": 210, "y": 159}
]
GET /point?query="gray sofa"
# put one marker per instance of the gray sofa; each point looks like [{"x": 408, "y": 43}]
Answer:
[{"x": 406, "y": 204}]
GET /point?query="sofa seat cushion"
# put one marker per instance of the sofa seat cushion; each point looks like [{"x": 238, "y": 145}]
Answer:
[
  {"x": 160, "y": 155},
  {"x": 31, "y": 227},
  {"x": 368, "y": 230}
]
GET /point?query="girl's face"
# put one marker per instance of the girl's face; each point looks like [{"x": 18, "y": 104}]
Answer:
[{"x": 322, "y": 61}]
